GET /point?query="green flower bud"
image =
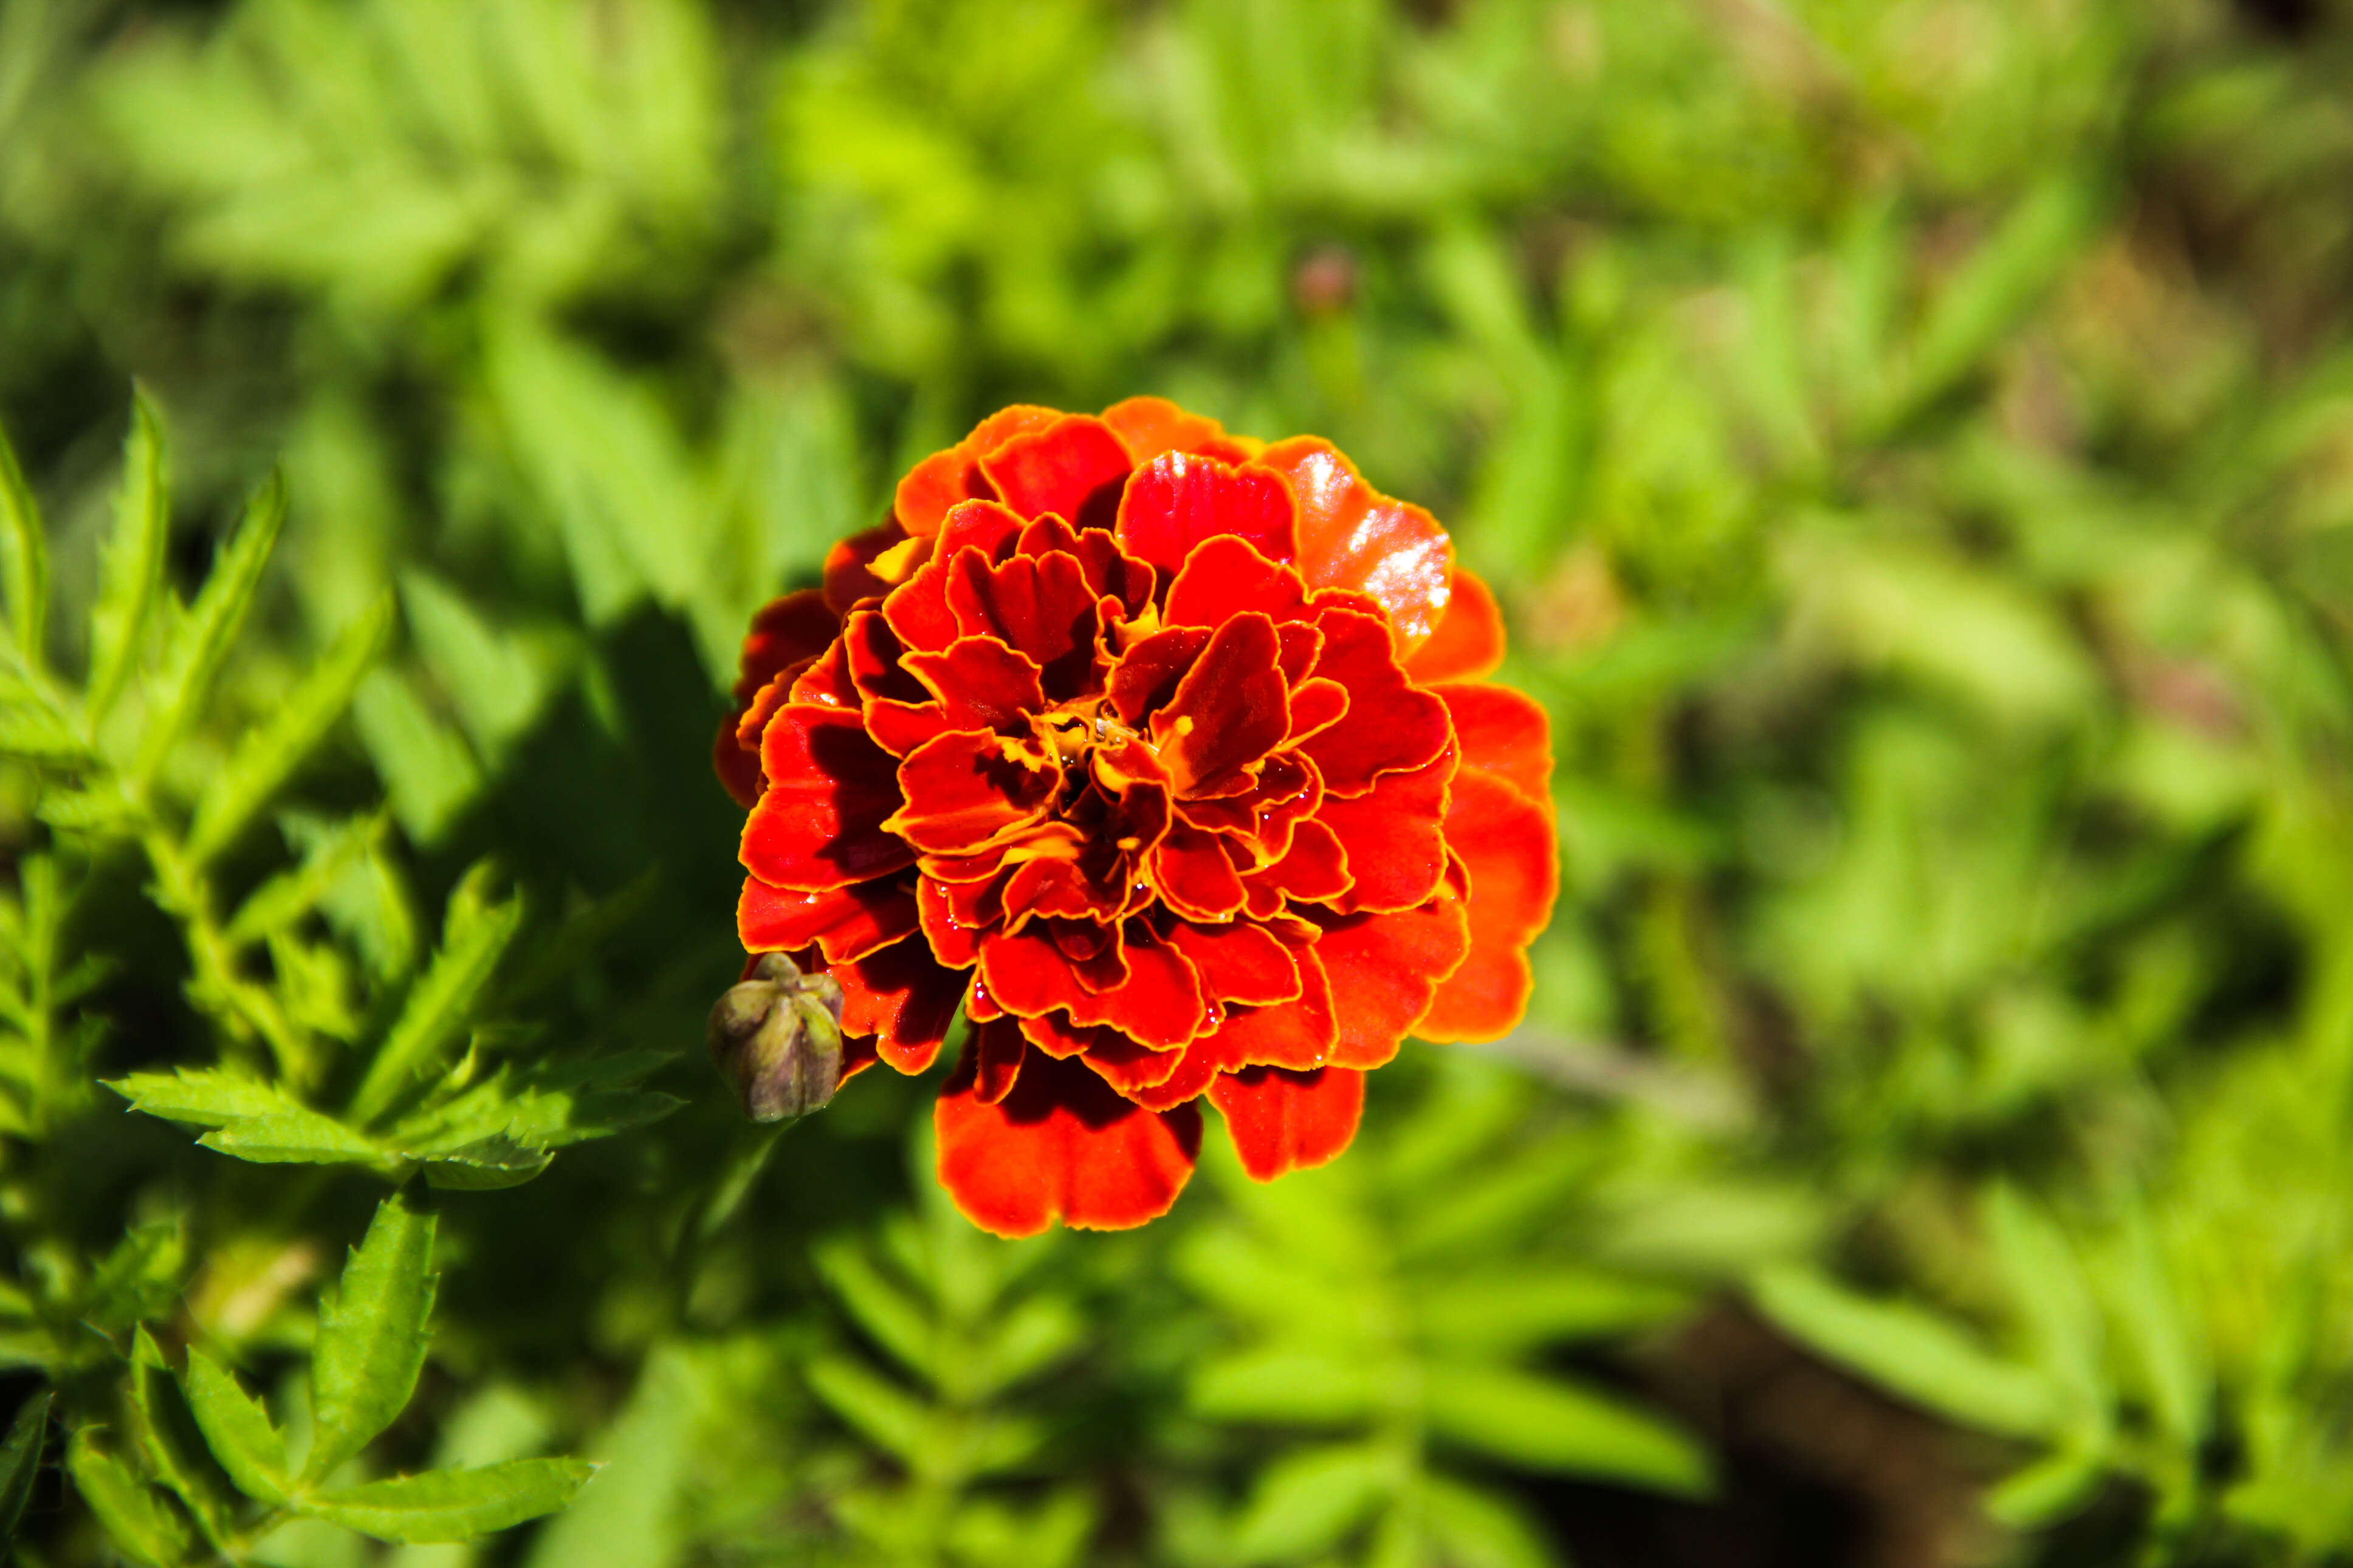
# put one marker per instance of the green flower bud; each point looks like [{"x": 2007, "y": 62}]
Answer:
[{"x": 777, "y": 1038}]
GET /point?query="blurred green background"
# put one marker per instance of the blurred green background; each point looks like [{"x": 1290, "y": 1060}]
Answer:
[{"x": 1913, "y": 440}]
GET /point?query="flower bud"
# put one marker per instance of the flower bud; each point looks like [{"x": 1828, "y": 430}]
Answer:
[{"x": 777, "y": 1037}]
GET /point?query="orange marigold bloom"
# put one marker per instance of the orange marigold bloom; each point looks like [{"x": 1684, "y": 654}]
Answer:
[{"x": 1164, "y": 754}]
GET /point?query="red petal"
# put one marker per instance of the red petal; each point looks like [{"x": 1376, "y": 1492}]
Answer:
[
  {"x": 1300, "y": 1033},
  {"x": 1391, "y": 724},
  {"x": 1315, "y": 705},
  {"x": 1040, "y": 605},
  {"x": 995, "y": 1051},
  {"x": 945, "y": 477},
  {"x": 903, "y": 998},
  {"x": 1242, "y": 964},
  {"x": 982, "y": 525},
  {"x": 1508, "y": 845},
  {"x": 1151, "y": 426},
  {"x": 1315, "y": 869},
  {"x": 819, "y": 824},
  {"x": 784, "y": 632},
  {"x": 1502, "y": 732},
  {"x": 845, "y": 923},
  {"x": 1072, "y": 469},
  {"x": 1145, "y": 677},
  {"x": 1225, "y": 575},
  {"x": 826, "y": 683},
  {"x": 1468, "y": 640},
  {"x": 1192, "y": 872},
  {"x": 1283, "y": 1121},
  {"x": 1395, "y": 836},
  {"x": 1385, "y": 969},
  {"x": 963, "y": 790},
  {"x": 1230, "y": 710},
  {"x": 1130, "y": 1068},
  {"x": 1352, "y": 536},
  {"x": 738, "y": 769},
  {"x": 1177, "y": 500},
  {"x": 981, "y": 684},
  {"x": 1064, "y": 1146}
]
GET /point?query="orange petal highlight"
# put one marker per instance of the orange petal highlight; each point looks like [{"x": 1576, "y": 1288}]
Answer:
[
  {"x": 1352, "y": 536},
  {"x": 1468, "y": 641}
]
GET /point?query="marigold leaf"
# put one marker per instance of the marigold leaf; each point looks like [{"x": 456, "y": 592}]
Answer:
[
  {"x": 372, "y": 1335},
  {"x": 1306, "y": 1387},
  {"x": 20, "y": 1457},
  {"x": 1479, "y": 1528},
  {"x": 236, "y": 1428},
  {"x": 1545, "y": 1424},
  {"x": 2061, "y": 1318},
  {"x": 475, "y": 933},
  {"x": 24, "y": 558},
  {"x": 139, "y": 1277},
  {"x": 290, "y": 895},
  {"x": 248, "y": 1118},
  {"x": 1511, "y": 1310},
  {"x": 172, "y": 1441},
  {"x": 130, "y": 569},
  {"x": 895, "y": 1321},
  {"x": 1310, "y": 1498},
  {"x": 1915, "y": 1353},
  {"x": 31, "y": 728},
  {"x": 140, "y": 1524},
  {"x": 267, "y": 756},
  {"x": 452, "y": 1505},
  {"x": 889, "y": 1415},
  {"x": 2047, "y": 1491},
  {"x": 200, "y": 644}
]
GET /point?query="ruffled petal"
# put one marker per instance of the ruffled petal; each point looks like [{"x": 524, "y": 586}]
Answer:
[
  {"x": 1072, "y": 469},
  {"x": 902, "y": 998},
  {"x": 1225, "y": 577},
  {"x": 1508, "y": 845},
  {"x": 1231, "y": 709},
  {"x": 844, "y": 923},
  {"x": 1040, "y": 605},
  {"x": 1502, "y": 732},
  {"x": 1384, "y": 970},
  {"x": 1283, "y": 1121},
  {"x": 965, "y": 790},
  {"x": 1062, "y": 1145},
  {"x": 1301, "y": 1034},
  {"x": 1151, "y": 426},
  {"x": 1391, "y": 724},
  {"x": 818, "y": 823},
  {"x": 1244, "y": 965},
  {"x": 945, "y": 477},
  {"x": 867, "y": 563},
  {"x": 1352, "y": 536},
  {"x": 1468, "y": 640},
  {"x": 1395, "y": 837},
  {"x": 1176, "y": 501}
]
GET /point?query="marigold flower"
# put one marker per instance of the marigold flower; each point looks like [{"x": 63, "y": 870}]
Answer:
[{"x": 1165, "y": 755}]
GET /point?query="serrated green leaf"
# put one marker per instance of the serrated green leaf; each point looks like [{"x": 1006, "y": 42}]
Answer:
[
  {"x": 452, "y": 1505},
  {"x": 894, "y": 1319},
  {"x": 24, "y": 559},
  {"x": 288, "y": 896},
  {"x": 31, "y": 728},
  {"x": 1910, "y": 1351},
  {"x": 2056, "y": 1302},
  {"x": 1308, "y": 1386},
  {"x": 1479, "y": 1528},
  {"x": 889, "y": 1415},
  {"x": 2047, "y": 1491},
  {"x": 249, "y": 1117},
  {"x": 1308, "y": 1499},
  {"x": 486, "y": 1164},
  {"x": 175, "y": 1447},
  {"x": 200, "y": 645},
  {"x": 372, "y": 1335},
  {"x": 20, "y": 1455},
  {"x": 139, "y": 1522},
  {"x": 1545, "y": 1423},
  {"x": 130, "y": 569},
  {"x": 138, "y": 1279},
  {"x": 269, "y": 755},
  {"x": 1507, "y": 1309},
  {"x": 474, "y": 936},
  {"x": 236, "y": 1428}
]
